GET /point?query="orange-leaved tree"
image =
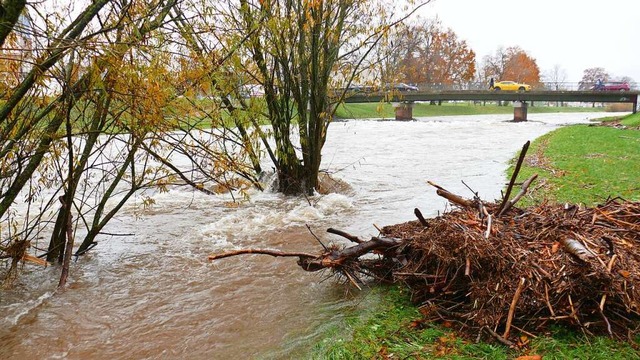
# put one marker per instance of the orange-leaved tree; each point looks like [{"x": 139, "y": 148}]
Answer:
[
  {"x": 513, "y": 64},
  {"x": 427, "y": 53}
]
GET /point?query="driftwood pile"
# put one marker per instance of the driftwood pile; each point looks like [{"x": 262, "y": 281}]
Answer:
[
  {"x": 532, "y": 267},
  {"x": 501, "y": 269}
]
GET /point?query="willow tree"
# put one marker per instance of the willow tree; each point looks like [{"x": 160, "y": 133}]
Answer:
[
  {"x": 295, "y": 47},
  {"x": 90, "y": 123},
  {"x": 58, "y": 125},
  {"x": 301, "y": 52}
]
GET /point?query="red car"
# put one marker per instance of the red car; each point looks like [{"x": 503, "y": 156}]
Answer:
[{"x": 612, "y": 86}]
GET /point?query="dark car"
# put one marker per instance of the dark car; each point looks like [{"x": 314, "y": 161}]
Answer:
[
  {"x": 612, "y": 86},
  {"x": 400, "y": 87}
]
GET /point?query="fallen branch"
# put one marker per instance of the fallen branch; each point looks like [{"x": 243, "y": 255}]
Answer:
[
  {"x": 34, "y": 260},
  {"x": 523, "y": 191},
  {"x": 514, "y": 176},
  {"x": 333, "y": 258},
  {"x": 512, "y": 308},
  {"x": 345, "y": 235},
  {"x": 488, "y": 232},
  {"x": 574, "y": 247},
  {"x": 376, "y": 243},
  {"x": 317, "y": 238},
  {"x": 337, "y": 259},
  {"x": 498, "y": 337},
  {"x": 606, "y": 321},
  {"x": 421, "y": 218},
  {"x": 456, "y": 199},
  {"x": 275, "y": 253}
]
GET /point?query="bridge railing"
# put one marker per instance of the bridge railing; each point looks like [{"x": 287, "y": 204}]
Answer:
[{"x": 547, "y": 85}]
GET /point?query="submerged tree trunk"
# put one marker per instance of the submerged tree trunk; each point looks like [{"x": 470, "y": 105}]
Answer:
[
  {"x": 55, "y": 252},
  {"x": 66, "y": 258},
  {"x": 289, "y": 180}
]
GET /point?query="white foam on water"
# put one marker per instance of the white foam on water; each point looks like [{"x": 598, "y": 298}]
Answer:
[
  {"x": 24, "y": 308},
  {"x": 263, "y": 215}
]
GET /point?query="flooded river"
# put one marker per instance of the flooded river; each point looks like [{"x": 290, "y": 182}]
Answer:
[{"x": 154, "y": 295}]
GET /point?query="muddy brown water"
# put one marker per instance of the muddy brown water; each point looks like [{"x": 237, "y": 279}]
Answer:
[{"x": 154, "y": 295}]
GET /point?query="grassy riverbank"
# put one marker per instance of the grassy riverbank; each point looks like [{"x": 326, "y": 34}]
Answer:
[
  {"x": 394, "y": 331},
  {"x": 583, "y": 164},
  {"x": 386, "y": 111},
  {"x": 587, "y": 164}
]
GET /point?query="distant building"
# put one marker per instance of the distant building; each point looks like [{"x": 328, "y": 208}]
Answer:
[{"x": 16, "y": 53}]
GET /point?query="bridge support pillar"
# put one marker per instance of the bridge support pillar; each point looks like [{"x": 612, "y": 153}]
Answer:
[
  {"x": 404, "y": 110},
  {"x": 520, "y": 111}
]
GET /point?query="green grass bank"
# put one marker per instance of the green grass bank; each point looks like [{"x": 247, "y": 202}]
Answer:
[
  {"x": 576, "y": 164},
  {"x": 587, "y": 163},
  {"x": 393, "y": 330}
]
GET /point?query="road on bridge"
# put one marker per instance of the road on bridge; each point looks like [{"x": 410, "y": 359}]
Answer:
[{"x": 485, "y": 95}]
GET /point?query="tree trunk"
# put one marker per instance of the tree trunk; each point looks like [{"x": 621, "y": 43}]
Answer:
[
  {"x": 9, "y": 16},
  {"x": 55, "y": 251},
  {"x": 67, "y": 252},
  {"x": 290, "y": 179}
]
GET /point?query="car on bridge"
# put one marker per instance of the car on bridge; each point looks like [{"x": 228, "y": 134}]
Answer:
[
  {"x": 612, "y": 86},
  {"x": 400, "y": 87},
  {"x": 510, "y": 86}
]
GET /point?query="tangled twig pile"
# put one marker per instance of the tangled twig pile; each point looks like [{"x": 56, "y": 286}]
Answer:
[{"x": 548, "y": 263}]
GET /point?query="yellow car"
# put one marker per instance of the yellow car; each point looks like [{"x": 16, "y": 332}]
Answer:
[{"x": 510, "y": 86}]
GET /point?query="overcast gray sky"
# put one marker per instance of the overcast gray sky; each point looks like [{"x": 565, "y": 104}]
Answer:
[{"x": 571, "y": 33}]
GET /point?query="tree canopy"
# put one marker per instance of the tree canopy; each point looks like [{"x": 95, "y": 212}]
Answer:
[
  {"x": 424, "y": 52},
  {"x": 512, "y": 63},
  {"x": 88, "y": 120}
]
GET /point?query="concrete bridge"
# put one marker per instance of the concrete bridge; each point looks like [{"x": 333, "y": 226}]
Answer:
[{"x": 404, "y": 101}]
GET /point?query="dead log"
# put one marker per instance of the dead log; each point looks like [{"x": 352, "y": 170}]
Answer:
[
  {"x": 334, "y": 258},
  {"x": 275, "y": 253},
  {"x": 339, "y": 258},
  {"x": 456, "y": 199}
]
